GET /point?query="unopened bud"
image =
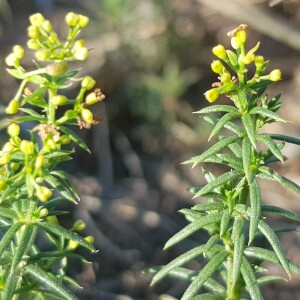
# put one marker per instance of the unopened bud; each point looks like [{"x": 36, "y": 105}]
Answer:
[
  {"x": 47, "y": 26},
  {"x": 13, "y": 129},
  {"x": 33, "y": 32},
  {"x": 217, "y": 66},
  {"x": 81, "y": 53},
  {"x": 33, "y": 44},
  {"x": 79, "y": 225},
  {"x": 91, "y": 99},
  {"x": 241, "y": 36},
  {"x": 11, "y": 60},
  {"x": 43, "y": 54},
  {"x": 212, "y": 95},
  {"x": 88, "y": 82},
  {"x": 219, "y": 51},
  {"x": 57, "y": 68},
  {"x": 259, "y": 61},
  {"x": 83, "y": 21},
  {"x": 39, "y": 162},
  {"x": 13, "y": 107},
  {"x": 249, "y": 58},
  {"x": 275, "y": 75},
  {"x": 36, "y": 19},
  {"x": 5, "y": 159},
  {"x": 59, "y": 100},
  {"x": 18, "y": 51},
  {"x": 44, "y": 212},
  {"x": 2, "y": 185},
  {"x": 90, "y": 239},
  {"x": 43, "y": 193},
  {"x": 27, "y": 147},
  {"x": 72, "y": 19},
  {"x": 87, "y": 116}
]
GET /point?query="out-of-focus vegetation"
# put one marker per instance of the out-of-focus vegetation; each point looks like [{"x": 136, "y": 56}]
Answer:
[{"x": 151, "y": 58}]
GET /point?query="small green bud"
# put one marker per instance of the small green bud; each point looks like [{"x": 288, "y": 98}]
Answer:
[
  {"x": 91, "y": 99},
  {"x": 43, "y": 54},
  {"x": 5, "y": 159},
  {"x": 87, "y": 116},
  {"x": 43, "y": 193},
  {"x": 2, "y": 185},
  {"x": 79, "y": 225},
  {"x": 65, "y": 140},
  {"x": 33, "y": 44},
  {"x": 59, "y": 100},
  {"x": 57, "y": 68},
  {"x": 83, "y": 21},
  {"x": 43, "y": 212},
  {"x": 39, "y": 162},
  {"x": 36, "y": 19},
  {"x": 8, "y": 147},
  {"x": 79, "y": 44},
  {"x": 33, "y": 32},
  {"x": 225, "y": 77},
  {"x": 18, "y": 51},
  {"x": 90, "y": 239},
  {"x": 72, "y": 245},
  {"x": 248, "y": 58},
  {"x": 259, "y": 61},
  {"x": 70, "y": 114},
  {"x": 212, "y": 95},
  {"x": 217, "y": 66},
  {"x": 72, "y": 19},
  {"x": 241, "y": 36},
  {"x": 27, "y": 147},
  {"x": 13, "y": 107},
  {"x": 219, "y": 51},
  {"x": 47, "y": 26},
  {"x": 81, "y": 53},
  {"x": 88, "y": 82},
  {"x": 13, "y": 129},
  {"x": 11, "y": 60},
  {"x": 275, "y": 75},
  {"x": 14, "y": 166},
  {"x": 53, "y": 38}
]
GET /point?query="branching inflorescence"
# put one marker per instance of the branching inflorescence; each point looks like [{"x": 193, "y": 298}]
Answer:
[
  {"x": 233, "y": 214},
  {"x": 31, "y": 186}
]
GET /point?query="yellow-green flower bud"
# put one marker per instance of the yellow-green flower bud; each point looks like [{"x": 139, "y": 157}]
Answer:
[
  {"x": 27, "y": 147},
  {"x": 217, "y": 66},
  {"x": 79, "y": 225},
  {"x": 59, "y": 100},
  {"x": 259, "y": 61},
  {"x": 5, "y": 159},
  {"x": 81, "y": 53},
  {"x": 18, "y": 51},
  {"x": 36, "y": 19},
  {"x": 8, "y": 147},
  {"x": 88, "y": 82},
  {"x": 33, "y": 44},
  {"x": 43, "y": 212},
  {"x": 90, "y": 239},
  {"x": 225, "y": 77},
  {"x": 72, "y": 19},
  {"x": 212, "y": 95},
  {"x": 43, "y": 193},
  {"x": 70, "y": 114},
  {"x": 65, "y": 140},
  {"x": 57, "y": 68},
  {"x": 39, "y": 162},
  {"x": 53, "y": 38},
  {"x": 72, "y": 245},
  {"x": 91, "y": 99},
  {"x": 83, "y": 21},
  {"x": 248, "y": 58},
  {"x": 2, "y": 185},
  {"x": 47, "y": 26},
  {"x": 87, "y": 116},
  {"x": 234, "y": 43},
  {"x": 14, "y": 166},
  {"x": 79, "y": 44},
  {"x": 13, "y": 107},
  {"x": 13, "y": 129},
  {"x": 219, "y": 51},
  {"x": 33, "y": 32},
  {"x": 241, "y": 36},
  {"x": 43, "y": 54},
  {"x": 275, "y": 75},
  {"x": 11, "y": 60}
]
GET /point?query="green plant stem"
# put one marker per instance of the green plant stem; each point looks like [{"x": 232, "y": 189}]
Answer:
[{"x": 51, "y": 107}]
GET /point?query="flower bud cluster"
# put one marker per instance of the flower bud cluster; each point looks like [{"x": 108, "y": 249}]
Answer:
[{"x": 237, "y": 61}]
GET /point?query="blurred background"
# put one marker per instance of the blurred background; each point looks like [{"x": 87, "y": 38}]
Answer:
[{"x": 152, "y": 60}]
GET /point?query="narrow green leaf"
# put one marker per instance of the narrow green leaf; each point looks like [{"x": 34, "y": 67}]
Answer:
[
  {"x": 247, "y": 159},
  {"x": 75, "y": 138},
  {"x": 26, "y": 119},
  {"x": 208, "y": 270},
  {"x": 266, "y": 113},
  {"x": 17, "y": 73},
  {"x": 280, "y": 211},
  {"x": 226, "y": 159},
  {"x": 239, "y": 245},
  {"x": 8, "y": 236},
  {"x": 238, "y": 228},
  {"x": 209, "y": 206},
  {"x": 193, "y": 227},
  {"x": 270, "y": 278},
  {"x": 209, "y": 296},
  {"x": 8, "y": 213},
  {"x": 67, "y": 234},
  {"x": 265, "y": 138},
  {"x": 236, "y": 149},
  {"x": 249, "y": 127},
  {"x": 183, "y": 259},
  {"x": 268, "y": 232},
  {"x": 225, "y": 221},
  {"x": 213, "y": 150},
  {"x": 250, "y": 280},
  {"x": 222, "y": 179},
  {"x": 284, "y": 138},
  {"x": 229, "y": 125},
  {"x": 222, "y": 121},
  {"x": 32, "y": 112},
  {"x": 217, "y": 108},
  {"x": 268, "y": 173},
  {"x": 50, "y": 281},
  {"x": 255, "y": 209}
]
